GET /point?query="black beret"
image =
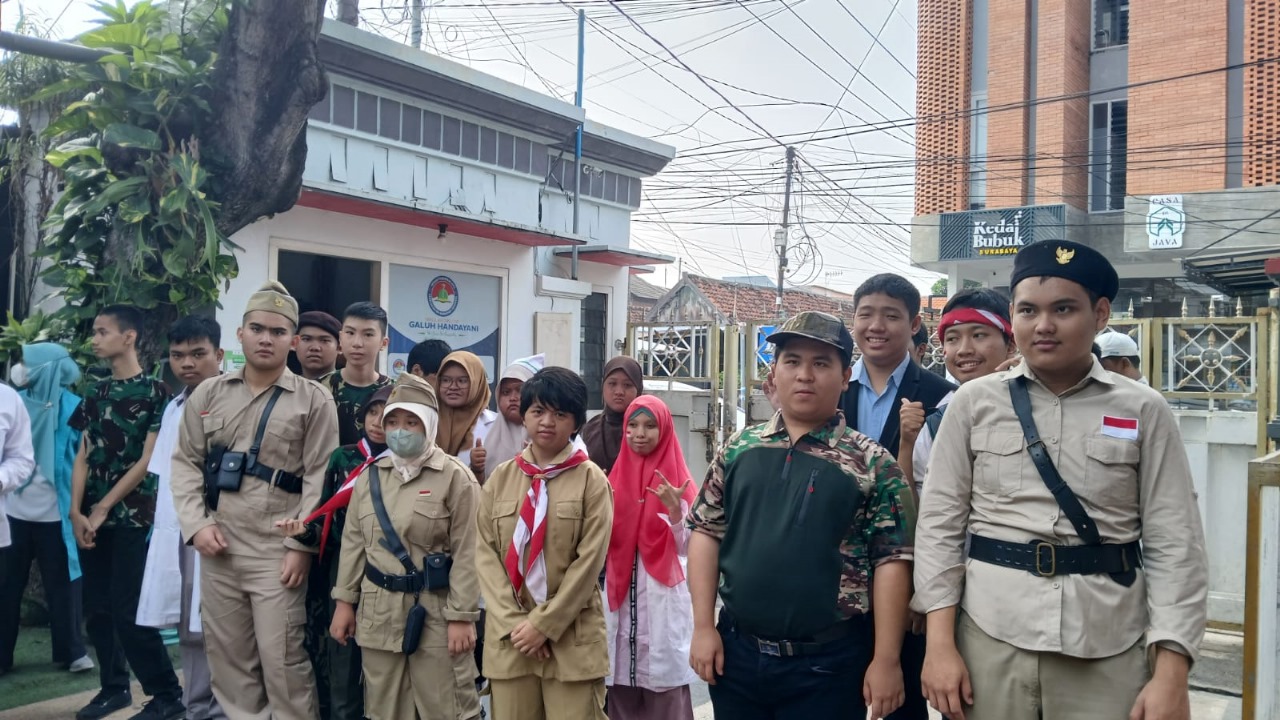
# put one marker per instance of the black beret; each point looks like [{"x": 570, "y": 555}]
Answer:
[
  {"x": 1069, "y": 260},
  {"x": 322, "y": 320}
]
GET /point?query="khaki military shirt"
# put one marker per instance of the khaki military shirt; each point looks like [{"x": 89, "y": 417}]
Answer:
[
  {"x": 301, "y": 434},
  {"x": 579, "y": 522},
  {"x": 1136, "y": 485},
  {"x": 435, "y": 512}
]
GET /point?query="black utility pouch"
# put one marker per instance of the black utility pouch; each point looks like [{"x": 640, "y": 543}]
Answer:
[
  {"x": 436, "y": 568},
  {"x": 413, "y": 625},
  {"x": 212, "y": 461},
  {"x": 231, "y": 471}
]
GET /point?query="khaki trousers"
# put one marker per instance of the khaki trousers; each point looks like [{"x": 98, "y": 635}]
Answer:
[
  {"x": 397, "y": 687},
  {"x": 1010, "y": 683},
  {"x": 534, "y": 698},
  {"x": 253, "y": 631}
]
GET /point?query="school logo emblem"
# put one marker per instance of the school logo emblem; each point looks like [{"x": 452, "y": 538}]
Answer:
[
  {"x": 443, "y": 296},
  {"x": 397, "y": 367},
  {"x": 1065, "y": 255}
]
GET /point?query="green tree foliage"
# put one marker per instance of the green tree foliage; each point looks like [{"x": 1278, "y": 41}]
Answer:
[{"x": 136, "y": 223}]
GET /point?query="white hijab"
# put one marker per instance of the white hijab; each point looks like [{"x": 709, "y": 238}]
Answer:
[
  {"x": 410, "y": 467},
  {"x": 506, "y": 439}
]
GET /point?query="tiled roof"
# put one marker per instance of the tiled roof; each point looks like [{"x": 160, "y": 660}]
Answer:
[
  {"x": 739, "y": 301},
  {"x": 641, "y": 289}
]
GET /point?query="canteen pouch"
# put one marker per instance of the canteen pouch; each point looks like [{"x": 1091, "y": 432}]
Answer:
[
  {"x": 230, "y": 471},
  {"x": 436, "y": 567},
  {"x": 413, "y": 625}
]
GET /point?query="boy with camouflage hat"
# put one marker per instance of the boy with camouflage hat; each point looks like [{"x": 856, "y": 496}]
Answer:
[
  {"x": 792, "y": 521},
  {"x": 269, "y": 433}
]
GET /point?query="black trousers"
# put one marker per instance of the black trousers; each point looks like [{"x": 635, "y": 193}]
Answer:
[
  {"x": 821, "y": 686},
  {"x": 915, "y": 707},
  {"x": 40, "y": 542},
  {"x": 112, "y": 582}
]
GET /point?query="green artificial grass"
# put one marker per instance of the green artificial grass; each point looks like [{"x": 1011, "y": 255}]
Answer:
[{"x": 35, "y": 678}]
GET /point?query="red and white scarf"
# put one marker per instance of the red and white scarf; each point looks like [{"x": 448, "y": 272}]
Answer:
[
  {"x": 525, "y": 564},
  {"x": 342, "y": 498}
]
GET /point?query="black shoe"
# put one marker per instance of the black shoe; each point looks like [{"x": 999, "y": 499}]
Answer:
[
  {"x": 105, "y": 703},
  {"x": 159, "y": 709}
]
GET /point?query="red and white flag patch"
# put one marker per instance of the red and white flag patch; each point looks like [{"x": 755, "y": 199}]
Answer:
[{"x": 1120, "y": 427}]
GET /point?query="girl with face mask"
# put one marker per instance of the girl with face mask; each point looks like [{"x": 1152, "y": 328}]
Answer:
[{"x": 429, "y": 498}]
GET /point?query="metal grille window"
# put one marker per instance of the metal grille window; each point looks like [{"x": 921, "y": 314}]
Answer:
[
  {"x": 594, "y": 346},
  {"x": 1108, "y": 155},
  {"x": 1110, "y": 23},
  {"x": 978, "y": 155}
]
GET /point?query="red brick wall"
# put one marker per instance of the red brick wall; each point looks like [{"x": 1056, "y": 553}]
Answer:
[
  {"x": 1261, "y": 93},
  {"x": 1177, "y": 129},
  {"x": 1007, "y": 85},
  {"x": 942, "y": 103},
  {"x": 1062, "y": 128}
]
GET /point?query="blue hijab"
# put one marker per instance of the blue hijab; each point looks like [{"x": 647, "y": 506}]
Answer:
[{"x": 50, "y": 371}]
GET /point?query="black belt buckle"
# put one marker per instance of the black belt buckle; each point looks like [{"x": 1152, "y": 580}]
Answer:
[
  {"x": 769, "y": 647},
  {"x": 1039, "y": 559}
]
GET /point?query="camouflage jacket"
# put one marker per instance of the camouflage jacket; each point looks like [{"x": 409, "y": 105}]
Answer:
[
  {"x": 116, "y": 417},
  {"x": 350, "y": 399},
  {"x": 802, "y": 527}
]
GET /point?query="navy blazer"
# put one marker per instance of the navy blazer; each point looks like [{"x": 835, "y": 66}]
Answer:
[{"x": 918, "y": 385}]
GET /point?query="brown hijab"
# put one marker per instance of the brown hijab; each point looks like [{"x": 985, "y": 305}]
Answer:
[
  {"x": 456, "y": 424},
  {"x": 603, "y": 433}
]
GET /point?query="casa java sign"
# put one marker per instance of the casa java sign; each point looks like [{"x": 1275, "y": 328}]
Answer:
[{"x": 998, "y": 238}]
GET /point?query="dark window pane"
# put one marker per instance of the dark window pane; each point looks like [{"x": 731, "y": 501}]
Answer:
[
  {"x": 566, "y": 174},
  {"x": 635, "y": 192},
  {"x": 624, "y": 190},
  {"x": 506, "y": 151},
  {"x": 320, "y": 111},
  {"x": 489, "y": 146},
  {"x": 470, "y": 141},
  {"x": 452, "y": 136},
  {"x": 541, "y": 161},
  {"x": 523, "y": 159},
  {"x": 412, "y": 128},
  {"x": 389, "y": 119},
  {"x": 367, "y": 113},
  {"x": 597, "y": 183},
  {"x": 344, "y": 106},
  {"x": 431, "y": 124}
]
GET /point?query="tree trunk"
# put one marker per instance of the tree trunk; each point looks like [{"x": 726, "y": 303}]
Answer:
[{"x": 267, "y": 80}]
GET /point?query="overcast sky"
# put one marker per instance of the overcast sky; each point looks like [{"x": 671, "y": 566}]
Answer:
[{"x": 784, "y": 64}]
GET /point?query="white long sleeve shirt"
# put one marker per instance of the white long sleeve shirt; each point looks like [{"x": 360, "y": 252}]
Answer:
[{"x": 18, "y": 459}]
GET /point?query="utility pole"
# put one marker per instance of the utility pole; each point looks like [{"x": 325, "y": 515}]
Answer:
[
  {"x": 780, "y": 235},
  {"x": 577, "y": 137},
  {"x": 415, "y": 24}
]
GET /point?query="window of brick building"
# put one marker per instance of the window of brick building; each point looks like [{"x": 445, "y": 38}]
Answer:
[
  {"x": 1110, "y": 23},
  {"x": 978, "y": 154},
  {"x": 1108, "y": 155}
]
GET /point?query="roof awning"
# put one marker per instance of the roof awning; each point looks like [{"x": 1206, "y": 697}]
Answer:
[
  {"x": 364, "y": 207},
  {"x": 619, "y": 257},
  {"x": 1233, "y": 272},
  {"x": 642, "y": 269}
]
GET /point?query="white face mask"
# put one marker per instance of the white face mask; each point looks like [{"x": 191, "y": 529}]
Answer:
[{"x": 18, "y": 375}]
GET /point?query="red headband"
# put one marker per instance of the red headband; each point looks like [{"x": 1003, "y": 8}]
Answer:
[{"x": 960, "y": 316}]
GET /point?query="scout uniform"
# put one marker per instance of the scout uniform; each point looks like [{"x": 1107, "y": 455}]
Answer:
[
  {"x": 1046, "y": 625},
  {"x": 578, "y": 522},
  {"x": 801, "y": 529},
  {"x": 433, "y": 512},
  {"x": 253, "y": 624},
  {"x": 350, "y": 400},
  {"x": 116, "y": 417}
]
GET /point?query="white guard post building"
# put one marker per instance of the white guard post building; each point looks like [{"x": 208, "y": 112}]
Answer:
[{"x": 446, "y": 195}]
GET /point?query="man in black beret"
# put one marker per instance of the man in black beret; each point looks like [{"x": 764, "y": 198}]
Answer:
[
  {"x": 317, "y": 351},
  {"x": 1084, "y": 591}
]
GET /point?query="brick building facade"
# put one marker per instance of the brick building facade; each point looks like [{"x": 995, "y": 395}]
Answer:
[{"x": 1147, "y": 133}]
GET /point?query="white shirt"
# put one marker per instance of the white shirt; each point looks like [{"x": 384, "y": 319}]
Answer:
[
  {"x": 160, "y": 600},
  {"x": 18, "y": 458}
]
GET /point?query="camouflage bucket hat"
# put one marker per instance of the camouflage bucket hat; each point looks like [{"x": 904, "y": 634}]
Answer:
[{"x": 817, "y": 326}]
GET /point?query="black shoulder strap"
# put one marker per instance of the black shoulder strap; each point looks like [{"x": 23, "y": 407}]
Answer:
[
  {"x": 252, "y": 460},
  {"x": 1067, "y": 499},
  {"x": 390, "y": 540}
]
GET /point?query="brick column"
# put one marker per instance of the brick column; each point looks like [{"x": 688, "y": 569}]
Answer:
[
  {"x": 942, "y": 104},
  {"x": 1007, "y": 84},
  {"x": 1062, "y": 128}
]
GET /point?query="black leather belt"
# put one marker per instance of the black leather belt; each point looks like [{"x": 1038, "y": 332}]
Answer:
[
  {"x": 1047, "y": 560},
  {"x": 287, "y": 482},
  {"x": 414, "y": 583},
  {"x": 819, "y": 642}
]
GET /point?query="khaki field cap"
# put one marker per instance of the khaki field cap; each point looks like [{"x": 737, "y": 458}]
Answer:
[
  {"x": 411, "y": 389},
  {"x": 818, "y": 326},
  {"x": 274, "y": 298}
]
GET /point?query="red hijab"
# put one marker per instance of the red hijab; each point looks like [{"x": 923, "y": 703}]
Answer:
[{"x": 637, "y": 523}]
